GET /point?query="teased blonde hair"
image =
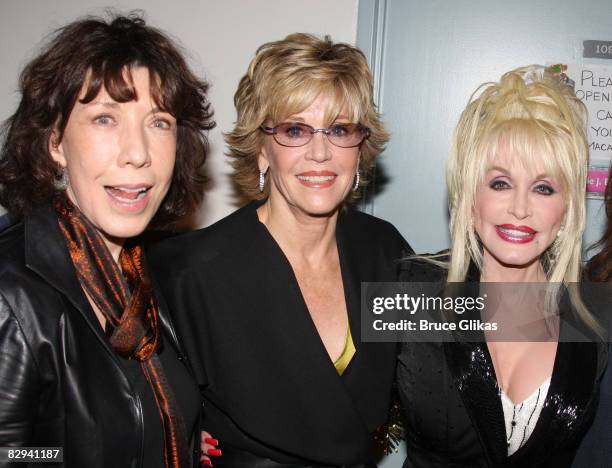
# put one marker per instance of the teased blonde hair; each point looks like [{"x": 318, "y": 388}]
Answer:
[
  {"x": 529, "y": 113},
  {"x": 284, "y": 78}
]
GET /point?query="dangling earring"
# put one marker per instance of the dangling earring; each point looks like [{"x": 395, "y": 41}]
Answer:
[
  {"x": 61, "y": 183},
  {"x": 560, "y": 231},
  {"x": 553, "y": 250},
  {"x": 262, "y": 180},
  {"x": 553, "y": 253},
  {"x": 356, "y": 186}
]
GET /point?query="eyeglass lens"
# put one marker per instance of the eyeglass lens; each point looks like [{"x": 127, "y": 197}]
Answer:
[{"x": 298, "y": 134}]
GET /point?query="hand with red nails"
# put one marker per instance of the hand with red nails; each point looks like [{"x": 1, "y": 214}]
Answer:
[{"x": 208, "y": 445}]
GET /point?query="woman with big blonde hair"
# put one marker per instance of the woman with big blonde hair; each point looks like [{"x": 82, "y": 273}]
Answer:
[
  {"x": 516, "y": 180},
  {"x": 267, "y": 300}
]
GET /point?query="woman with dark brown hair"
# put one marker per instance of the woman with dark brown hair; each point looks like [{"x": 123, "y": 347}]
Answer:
[
  {"x": 599, "y": 267},
  {"x": 596, "y": 447},
  {"x": 107, "y": 140}
]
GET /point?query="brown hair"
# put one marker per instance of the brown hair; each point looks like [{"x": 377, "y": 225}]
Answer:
[
  {"x": 599, "y": 267},
  {"x": 98, "y": 53},
  {"x": 284, "y": 78}
]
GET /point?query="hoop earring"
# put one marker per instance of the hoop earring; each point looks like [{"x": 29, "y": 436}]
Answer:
[
  {"x": 262, "y": 180},
  {"x": 62, "y": 182},
  {"x": 356, "y": 186}
]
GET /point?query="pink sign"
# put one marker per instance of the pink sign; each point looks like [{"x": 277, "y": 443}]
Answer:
[{"x": 597, "y": 180}]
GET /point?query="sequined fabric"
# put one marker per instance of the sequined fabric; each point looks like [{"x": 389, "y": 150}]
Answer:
[
  {"x": 565, "y": 415},
  {"x": 125, "y": 298},
  {"x": 454, "y": 415}
]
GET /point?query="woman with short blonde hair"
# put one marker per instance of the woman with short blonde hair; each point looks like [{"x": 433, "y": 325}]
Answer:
[
  {"x": 268, "y": 299},
  {"x": 285, "y": 77}
]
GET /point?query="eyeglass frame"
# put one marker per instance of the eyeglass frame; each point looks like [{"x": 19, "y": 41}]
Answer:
[{"x": 325, "y": 131}]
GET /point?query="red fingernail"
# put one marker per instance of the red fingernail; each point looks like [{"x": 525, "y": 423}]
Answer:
[
  {"x": 211, "y": 441},
  {"x": 214, "y": 452},
  {"x": 205, "y": 462}
]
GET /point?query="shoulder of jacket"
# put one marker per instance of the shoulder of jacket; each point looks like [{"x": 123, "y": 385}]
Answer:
[
  {"x": 424, "y": 268},
  {"x": 12, "y": 244},
  {"x": 354, "y": 217},
  {"x": 13, "y": 269},
  {"x": 19, "y": 283},
  {"x": 370, "y": 229},
  {"x": 194, "y": 248}
]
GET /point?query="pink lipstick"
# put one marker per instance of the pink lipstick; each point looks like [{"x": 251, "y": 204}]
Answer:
[
  {"x": 317, "y": 179},
  {"x": 129, "y": 197}
]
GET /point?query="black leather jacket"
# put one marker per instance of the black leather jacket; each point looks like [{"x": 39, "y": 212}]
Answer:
[{"x": 61, "y": 385}]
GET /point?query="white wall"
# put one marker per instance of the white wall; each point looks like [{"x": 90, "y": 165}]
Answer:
[
  {"x": 431, "y": 56},
  {"x": 220, "y": 37},
  {"x": 428, "y": 57}
]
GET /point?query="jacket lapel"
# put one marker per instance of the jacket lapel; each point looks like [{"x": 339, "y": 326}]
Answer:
[
  {"x": 350, "y": 274},
  {"x": 46, "y": 254},
  {"x": 371, "y": 370},
  {"x": 167, "y": 327},
  {"x": 300, "y": 323},
  {"x": 474, "y": 377},
  {"x": 472, "y": 369},
  {"x": 571, "y": 395}
]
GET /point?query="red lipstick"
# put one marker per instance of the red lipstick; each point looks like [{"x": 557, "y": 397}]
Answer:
[{"x": 515, "y": 234}]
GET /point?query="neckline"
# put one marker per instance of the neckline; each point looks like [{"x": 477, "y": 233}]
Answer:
[
  {"x": 528, "y": 399},
  {"x": 293, "y": 282},
  {"x": 538, "y": 426}
]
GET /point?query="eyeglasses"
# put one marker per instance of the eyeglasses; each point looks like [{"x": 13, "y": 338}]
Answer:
[{"x": 298, "y": 134}]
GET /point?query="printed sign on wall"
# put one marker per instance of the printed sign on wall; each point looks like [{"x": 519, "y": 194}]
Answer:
[{"x": 593, "y": 85}]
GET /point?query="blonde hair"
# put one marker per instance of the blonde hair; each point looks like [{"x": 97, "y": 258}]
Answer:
[
  {"x": 284, "y": 78},
  {"x": 529, "y": 113}
]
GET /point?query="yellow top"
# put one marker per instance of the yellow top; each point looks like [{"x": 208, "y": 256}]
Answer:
[{"x": 347, "y": 354}]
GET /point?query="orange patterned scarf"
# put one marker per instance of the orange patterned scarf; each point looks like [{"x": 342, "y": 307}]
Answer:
[{"x": 127, "y": 302}]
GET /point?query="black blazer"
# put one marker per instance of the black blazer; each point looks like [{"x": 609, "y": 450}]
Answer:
[
  {"x": 453, "y": 409},
  {"x": 61, "y": 385},
  {"x": 5, "y": 221},
  {"x": 269, "y": 386}
]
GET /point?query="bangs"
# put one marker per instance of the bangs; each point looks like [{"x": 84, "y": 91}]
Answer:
[
  {"x": 339, "y": 96},
  {"x": 116, "y": 77},
  {"x": 530, "y": 144}
]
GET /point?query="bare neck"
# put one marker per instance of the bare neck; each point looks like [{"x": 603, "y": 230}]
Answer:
[
  {"x": 300, "y": 236},
  {"x": 494, "y": 271},
  {"x": 114, "y": 245}
]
